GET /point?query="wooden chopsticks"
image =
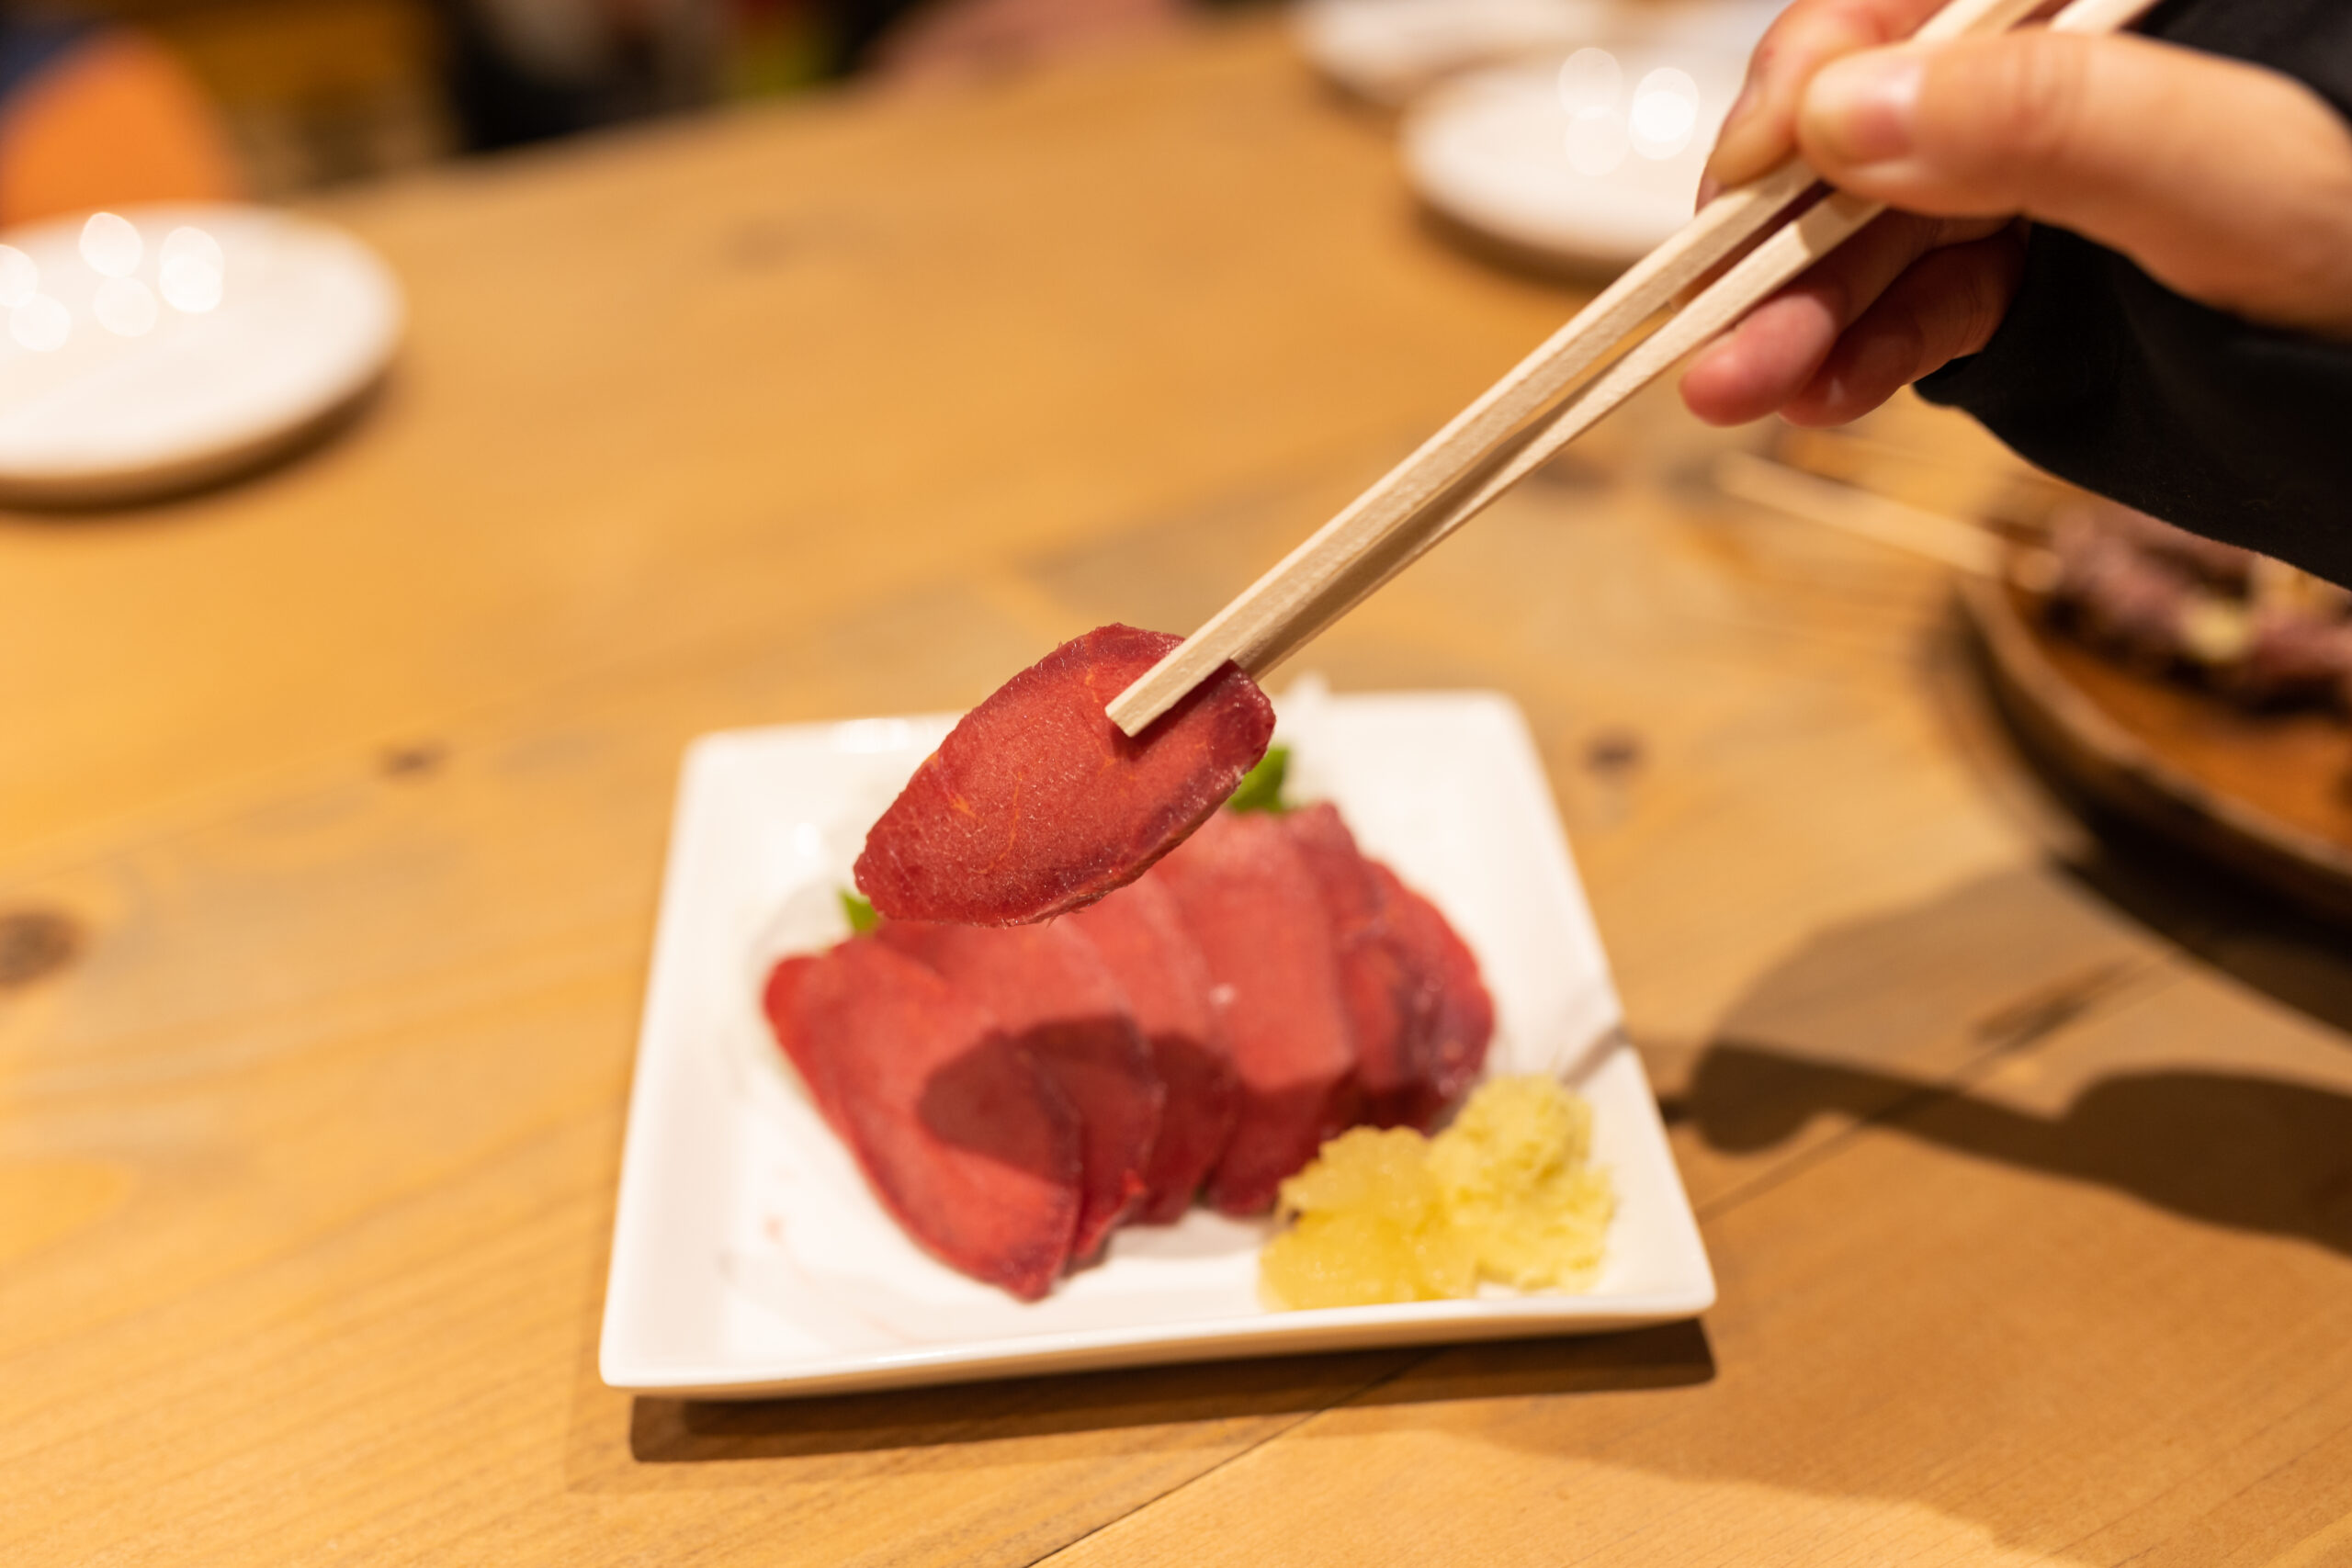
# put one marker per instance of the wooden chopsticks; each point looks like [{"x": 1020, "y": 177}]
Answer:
[
  {"x": 1516, "y": 426},
  {"x": 1863, "y": 512}
]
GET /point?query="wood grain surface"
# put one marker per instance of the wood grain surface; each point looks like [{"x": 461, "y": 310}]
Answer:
[{"x": 332, "y": 807}]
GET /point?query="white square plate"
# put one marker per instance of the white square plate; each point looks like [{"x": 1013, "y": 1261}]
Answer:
[{"x": 749, "y": 1258}]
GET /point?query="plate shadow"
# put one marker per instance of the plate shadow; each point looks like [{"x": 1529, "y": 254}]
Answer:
[{"x": 688, "y": 1431}]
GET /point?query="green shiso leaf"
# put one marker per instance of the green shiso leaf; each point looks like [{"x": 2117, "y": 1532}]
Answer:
[{"x": 1262, "y": 786}]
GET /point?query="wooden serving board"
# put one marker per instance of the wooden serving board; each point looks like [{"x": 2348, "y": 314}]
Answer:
[{"x": 2269, "y": 794}]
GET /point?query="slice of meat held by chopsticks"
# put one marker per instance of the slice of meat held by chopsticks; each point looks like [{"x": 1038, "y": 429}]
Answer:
[
  {"x": 1037, "y": 804},
  {"x": 1249, "y": 902},
  {"x": 1141, "y": 937},
  {"x": 1051, "y": 991},
  {"x": 961, "y": 1134}
]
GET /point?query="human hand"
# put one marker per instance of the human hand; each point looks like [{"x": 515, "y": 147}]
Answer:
[{"x": 2229, "y": 184}]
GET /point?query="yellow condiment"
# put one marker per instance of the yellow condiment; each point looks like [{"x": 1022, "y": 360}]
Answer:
[{"x": 1506, "y": 1193}]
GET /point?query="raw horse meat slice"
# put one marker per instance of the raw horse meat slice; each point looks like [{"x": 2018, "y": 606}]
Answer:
[
  {"x": 1037, "y": 804},
  {"x": 1251, "y": 906},
  {"x": 1387, "y": 994},
  {"x": 1142, "y": 940},
  {"x": 961, "y": 1134},
  {"x": 1459, "y": 1018},
  {"x": 1053, "y": 995}
]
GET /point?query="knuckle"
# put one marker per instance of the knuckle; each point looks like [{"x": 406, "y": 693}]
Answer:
[
  {"x": 1973, "y": 283},
  {"x": 1808, "y": 36},
  {"x": 1905, "y": 344},
  {"x": 1978, "y": 307},
  {"x": 2023, "y": 102}
]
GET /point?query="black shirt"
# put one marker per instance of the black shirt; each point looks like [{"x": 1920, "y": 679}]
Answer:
[{"x": 2104, "y": 377}]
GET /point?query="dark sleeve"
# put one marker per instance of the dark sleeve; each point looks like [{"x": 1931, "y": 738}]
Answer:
[{"x": 2104, "y": 377}]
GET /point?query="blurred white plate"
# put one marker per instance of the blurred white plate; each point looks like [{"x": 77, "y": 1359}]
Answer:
[
  {"x": 1386, "y": 51},
  {"x": 749, "y": 1258},
  {"x": 1491, "y": 151},
  {"x": 307, "y": 319}
]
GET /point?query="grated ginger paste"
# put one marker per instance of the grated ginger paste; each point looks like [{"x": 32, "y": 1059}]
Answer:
[{"x": 1504, "y": 1195}]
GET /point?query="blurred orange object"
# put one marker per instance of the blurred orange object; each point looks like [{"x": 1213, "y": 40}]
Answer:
[{"x": 116, "y": 122}]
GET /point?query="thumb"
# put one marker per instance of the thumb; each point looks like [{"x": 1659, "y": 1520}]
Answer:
[{"x": 2228, "y": 182}]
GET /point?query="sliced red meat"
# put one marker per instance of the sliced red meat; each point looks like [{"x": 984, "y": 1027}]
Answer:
[
  {"x": 1142, "y": 940},
  {"x": 962, "y": 1134},
  {"x": 1251, "y": 904},
  {"x": 1457, "y": 1018},
  {"x": 1036, "y": 802},
  {"x": 1053, "y": 995},
  {"x": 1387, "y": 995}
]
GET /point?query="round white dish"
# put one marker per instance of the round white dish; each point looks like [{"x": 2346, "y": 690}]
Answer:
[
  {"x": 1388, "y": 51},
  {"x": 191, "y": 356},
  {"x": 1502, "y": 152}
]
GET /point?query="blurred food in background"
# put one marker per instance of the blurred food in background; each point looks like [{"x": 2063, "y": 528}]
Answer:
[
  {"x": 2156, "y": 677},
  {"x": 2256, "y": 630},
  {"x": 109, "y": 103},
  {"x": 92, "y": 115},
  {"x": 2143, "y": 595},
  {"x": 115, "y": 102}
]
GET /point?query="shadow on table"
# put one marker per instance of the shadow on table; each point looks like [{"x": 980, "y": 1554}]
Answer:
[
  {"x": 2249, "y": 1153},
  {"x": 2182, "y": 894},
  {"x": 2247, "y": 934},
  {"x": 1208, "y": 1396}
]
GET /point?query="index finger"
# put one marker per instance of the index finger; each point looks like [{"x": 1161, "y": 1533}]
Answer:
[{"x": 1760, "y": 130}]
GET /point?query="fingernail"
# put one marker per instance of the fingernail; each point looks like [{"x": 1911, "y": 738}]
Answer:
[
  {"x": 1741, "y": 107},
  {"x": 1860, "y": 109},
  {"x": 1711, "y": 184}
]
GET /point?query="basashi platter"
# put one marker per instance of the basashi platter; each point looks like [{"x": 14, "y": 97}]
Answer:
[{"x": 749, "y": 1258}]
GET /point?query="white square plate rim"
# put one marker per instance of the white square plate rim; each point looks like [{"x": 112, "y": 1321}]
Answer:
[{"x": 661, "y": 1114}]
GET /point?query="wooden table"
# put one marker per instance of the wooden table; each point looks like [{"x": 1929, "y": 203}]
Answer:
[{"x": 332, "y": 807}]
